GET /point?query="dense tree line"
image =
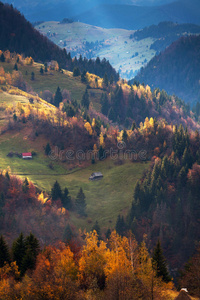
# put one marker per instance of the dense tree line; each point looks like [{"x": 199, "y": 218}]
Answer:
[
  {"x": 118, "y": 268},
  {"x": 166, "y": 199},
  {"x": 165, "y": 33},
  {"x": 125, "y": 105}
]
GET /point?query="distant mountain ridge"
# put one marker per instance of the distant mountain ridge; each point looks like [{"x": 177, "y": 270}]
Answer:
[
  {"x": 132, "y": 14},
  {"x": 137, "y": 17},
  {"x": 49, "y": 10},
  {"x": 176, "y": 70}
]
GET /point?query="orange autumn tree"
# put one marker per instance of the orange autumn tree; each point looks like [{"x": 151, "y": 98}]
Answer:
[
  {"x": 92, "y": 262},
  {"x": 55, "y": 275},
  {"x": 120, "y": 268}
]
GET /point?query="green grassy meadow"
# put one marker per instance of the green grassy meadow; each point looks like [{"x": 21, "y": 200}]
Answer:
[
  {"x": 49, "y": 81},
  {"x": 106, "y": 199},
  {"x": 116, "y": 46}
]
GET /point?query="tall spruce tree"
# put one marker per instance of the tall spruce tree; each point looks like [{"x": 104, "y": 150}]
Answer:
[
  {"x": 18, "y": 250},
  {"x": 85, "y": 101},
  {"x": 96, "y": 227},
  {"x": 66, "y": 199},
  {"x": 105, "y": 79},
  {"x": 105, "y": 104},
  {"x": 31, "y": 252},
  {"x": 47, "y": 149},
  {"x": 56, "y": 192},
  {"x": 84, "y": 77},
  {"x": 120, "y": 225},
  {"x": 58, "y": 97},
  {"x": 25, "y": 185},
  {"x": 159, "y": 263},
  {"x": 2, "y": 58},
  {"x": 4, "y": 252},
  {"x": 81, "y": 203}
]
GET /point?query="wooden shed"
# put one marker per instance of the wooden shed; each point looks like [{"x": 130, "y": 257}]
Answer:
[
  {"x": 96, "y": 176},
  {"x": 27, "y": 155}
]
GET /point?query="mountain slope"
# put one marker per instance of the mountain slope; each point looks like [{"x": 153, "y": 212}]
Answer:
[
  {"x": 177, "y": 69},
  {"x": 136, "y": 17},
  {"x": 18, "y": 35}
]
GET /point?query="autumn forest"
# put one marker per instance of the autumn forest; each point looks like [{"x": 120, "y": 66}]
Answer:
[{"x": 134, "y": 233}]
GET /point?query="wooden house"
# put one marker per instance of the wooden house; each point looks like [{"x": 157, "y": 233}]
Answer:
[{"x": 27, "y": 155}]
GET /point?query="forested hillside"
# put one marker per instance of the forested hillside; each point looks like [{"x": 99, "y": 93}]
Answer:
[
  {"x": 165, "y": 33},
  {"x": 18, "y": 35},
  {"x": 177, "y": 69}
]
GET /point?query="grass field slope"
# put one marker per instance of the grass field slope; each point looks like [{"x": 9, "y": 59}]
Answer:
[
  {"x": 126, "y": 55},
  {"x": 105, "y": 199}
]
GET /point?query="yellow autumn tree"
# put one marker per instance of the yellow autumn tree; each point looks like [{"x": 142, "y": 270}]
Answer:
[
  {"x": 92, "y": 262},
  {"x": 153, "y": 287},
  {"x": 88, "y": 127},
  {"x": 101, "y": 140},
  {"x": 121, "y": 281}
]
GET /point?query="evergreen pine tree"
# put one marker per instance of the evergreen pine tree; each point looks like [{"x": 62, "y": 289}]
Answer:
[
  {"x": 31, "y": 252},
  {"x": 28, "y": 262},
  {"x": 182, "y": 178},
  {"x": 101, "y": 153},
  {"x": 81, "y": 203},
  {"x": 105, "y": 79},
  {"x": 15, "y": 67},
  {"x": 25, "y": 185},
  {"x": 133, "y": 126},
  {"x": 15, "y": 117},
  {"x": 4, "y": 252},
  {"x": 125, "y": 136},
  {"x": 105, "y": 104},
  {"x": 67, "y": 236},
  {"x": 56, "y": 192},
  {"x": 85, "y": 101},
  {"x": 66, "y": 199},
  {"x": 159, "y": 263},
  {"x": 47, "y": 149},
  {"x": 45, "y": 68},
  {"x": 187, "y": 159},
  {"x": 111, "y": 79},
  {"x": 84, "y": 77},
  {"x": 112, "y": 115},
  {"x": 58, "y": 97},
  {"x": 7, "y": 175},
  {"x": 32, "y": 243},
  {"x": 108, "y": 233},
  {"x": 76, "y": 72},
  {"x": 120, "y": 225},
  {"x": 18, "y": 250},
  {"x": 2, "y": 58},
  {"x": 96, "y": 227},
  {"x": 41, "y": 71}
]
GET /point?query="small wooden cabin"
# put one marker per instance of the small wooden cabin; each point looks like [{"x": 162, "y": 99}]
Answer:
[
  {"x": 27, "y": 155},
  {"x": 96, "y": 175}
]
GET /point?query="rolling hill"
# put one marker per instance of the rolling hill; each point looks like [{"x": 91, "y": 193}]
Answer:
[
  {"x": 177, "y": 69},
  {"x": 137, "y": 17},
  {"x": 126, "y": 50},
  {"x": 126, "y": 55},
  {"x": 18, "y": 35}
]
